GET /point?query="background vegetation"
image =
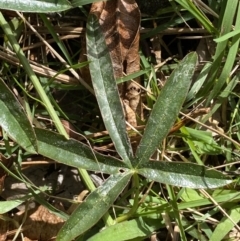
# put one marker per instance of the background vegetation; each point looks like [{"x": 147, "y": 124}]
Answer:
[{"x": 167, "y": 187}]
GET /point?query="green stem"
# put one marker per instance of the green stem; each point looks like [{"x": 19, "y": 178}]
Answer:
[
  {"x": 26, "y": 66},
  {"x": 176, "y": 211},
  {"x": 135, "y": 202}
]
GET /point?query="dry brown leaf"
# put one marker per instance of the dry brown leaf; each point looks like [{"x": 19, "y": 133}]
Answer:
[
  {"x": 120, "y": 23},
  {"x": 3, "y": 230},
  {"x": 41, "y": 225}
]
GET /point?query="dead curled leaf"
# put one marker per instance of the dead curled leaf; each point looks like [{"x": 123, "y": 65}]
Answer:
[
  {"x": 40, "y": 225},
  {"x": 120, "y": 23}
]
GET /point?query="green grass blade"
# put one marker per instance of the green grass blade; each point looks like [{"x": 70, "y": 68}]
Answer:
[
  {"x": 14, "y": 120},
  {"x": 74, "y": 153},
  {"x": 56, "y": 38},
  {"x": 94, "y": 207},
  {"x": 227, "y": 36},
  {"x": 35, "y": 5},
  {"x": 189, "y": 5},
  {"x": 23, "y": 60},
  {"x": 137, "y": 228},
  {"x": 106, "y": 90},
  {"x": 172, "y": 22},
  {"x": 226, "y": 225},
  {"x": 232, "y": 53},
  {"x": 226, "y": 26},
  {"x": 183, "y": 174},
  {"x": 166, "y": 108}
]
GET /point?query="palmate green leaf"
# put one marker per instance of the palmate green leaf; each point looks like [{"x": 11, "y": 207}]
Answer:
[
  {"x": 106, "y": 90},
  {"x": 183, "y": 174},
  {"x": 166, "y": 108},
  {"x": 40, "y": 6},
  {"x": 128, "y": 230},
  {"x": 94, "y": 207},
  {"x": 14, "y": 121},
  {"x": 74, "y": 153}
]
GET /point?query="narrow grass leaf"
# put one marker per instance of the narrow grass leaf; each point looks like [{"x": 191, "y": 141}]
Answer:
[
  {"x": 167, "y": 107},
  {"x": 36, "y": 5},
  {"x": 226, "y": 225},
  {"x": 74, "y": 153},
  {"x": 227, "y": 36},
  {"x": 106, "y": 90},
  {"x": 230, "y": 60},
  {"x": 94, "y": 207},
  {"x": 183, "y": 174},
  {"x": 198, "y": 83},
  {"x": 222, "y": 196},
  {"x": 32, "y": 76},
  {"x": 189, "y": 5},
  {"x": 128, "y": 230},
  {"x": 226, "y": 23},
  {"x": 173, "y": 22},
  {"x": 132, "y": 76},
  {"x": 14, "y": 121},
  {"x": 55, "y": 36}
]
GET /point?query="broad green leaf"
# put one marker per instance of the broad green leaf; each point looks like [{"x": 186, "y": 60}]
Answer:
[
  {"x": 94, "y": 207},
  {"x": 74, "y": 153},
  {"x": 43, "y": 6},
  {"x": 14, "y": 121},
  {"x": 6, "y": 206},
  {"x": 106, "y": 90},
  {"x": 226, "y": 225},
  {"x": 203, "y": 141},
  {"x": 167, "y": 107},
  {"x": 190, "y": 195},
  {"x": 128, "y": 230},
  {"x": 183, "y": 174}
]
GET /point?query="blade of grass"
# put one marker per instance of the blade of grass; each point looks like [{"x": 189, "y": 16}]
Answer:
[
  {"x": 176, "y": 212},
  {"x": 55, "y": 37},
  {"x": 226, "y": 225},
  {"x": 226, "y": 25},
  {"x": 189, "y": 5},
  {"x": 7, "y": 30},
  {"x": 229, "y": 60}
]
